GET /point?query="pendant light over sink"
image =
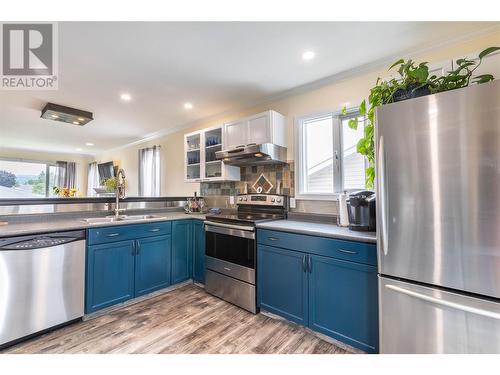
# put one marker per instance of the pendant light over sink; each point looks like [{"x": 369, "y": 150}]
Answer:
[{"x": 61, "y": 113}]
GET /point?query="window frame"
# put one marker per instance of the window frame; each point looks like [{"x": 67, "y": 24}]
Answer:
[
  {"x": 48, "y": 164},
  {"x": 338, "y": 171}
]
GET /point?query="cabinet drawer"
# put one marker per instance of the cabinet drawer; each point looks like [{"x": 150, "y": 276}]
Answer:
[
  {"x": 353, "y": 251},
  {"x": 128, "y": 232}
]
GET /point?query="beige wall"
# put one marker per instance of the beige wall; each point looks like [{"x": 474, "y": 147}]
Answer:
[
  {"x": 81, "y": 161},
  {"x": 329, "y": 97}
]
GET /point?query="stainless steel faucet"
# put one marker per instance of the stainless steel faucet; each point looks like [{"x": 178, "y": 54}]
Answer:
[{"x": 119, "y": 191}]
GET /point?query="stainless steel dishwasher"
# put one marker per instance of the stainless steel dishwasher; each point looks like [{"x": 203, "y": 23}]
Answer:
[{"x": 42, "y": 281}]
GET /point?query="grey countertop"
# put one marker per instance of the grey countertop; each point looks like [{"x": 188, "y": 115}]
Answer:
[
  {"x": 47, "y": 225},
  {"x": 318, "y": 229}
]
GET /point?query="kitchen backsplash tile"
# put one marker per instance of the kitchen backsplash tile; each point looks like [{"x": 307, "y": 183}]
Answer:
[
  {"x": 249, "y": 175},
  {"x": 217, "y": 194}
]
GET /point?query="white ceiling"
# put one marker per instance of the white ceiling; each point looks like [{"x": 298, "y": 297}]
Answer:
[{"x": 215, "y": 66}]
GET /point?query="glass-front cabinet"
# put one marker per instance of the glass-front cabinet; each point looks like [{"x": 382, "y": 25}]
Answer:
[{"x": 199, "y": 157}]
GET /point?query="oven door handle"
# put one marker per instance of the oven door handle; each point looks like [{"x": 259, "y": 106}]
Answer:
[
  {"x": 232, "y": 226},
  {"x": 230, "y": 230}
]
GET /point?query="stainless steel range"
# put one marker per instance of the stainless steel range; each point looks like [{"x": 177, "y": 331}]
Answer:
[{"x": 231, "y": 248}]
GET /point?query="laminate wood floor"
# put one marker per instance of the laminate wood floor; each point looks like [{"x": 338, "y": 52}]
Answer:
[{"x": 185, "y": 320}]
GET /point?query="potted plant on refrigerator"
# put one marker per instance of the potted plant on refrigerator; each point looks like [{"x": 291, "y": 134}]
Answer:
[{"x": 413, "y": 81}]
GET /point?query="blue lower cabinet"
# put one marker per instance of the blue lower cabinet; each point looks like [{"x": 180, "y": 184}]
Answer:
[
  {"x": 110, "y": 274},
  {"x": 198, "y": 251},
  {"x": 181, "y": 250},
  {"x": 282, "y": 283},
  {"x": 152, "y": 264},
  {"x": 336, "y": 294},
  {"x": 343, "y": 301}
]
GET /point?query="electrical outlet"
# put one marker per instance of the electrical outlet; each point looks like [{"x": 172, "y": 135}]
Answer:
[
  {"x": 231, "y": 200},
  {"x": 292, "y": 203}
]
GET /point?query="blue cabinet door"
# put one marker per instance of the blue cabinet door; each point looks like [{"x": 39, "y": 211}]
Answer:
[
  {"x": 282, "y": 283},
  {"x": 343, "y": 301},
  {"x": 198, "y": 251},
  {"x": 152, "y": 264},
  {"x": 110, "y": 274},
  {"x": 181, "y": 251}
]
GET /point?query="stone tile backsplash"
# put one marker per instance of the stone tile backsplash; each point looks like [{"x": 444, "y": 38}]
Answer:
[
  {"x": 217, "y": 194},
  {"x": 249, "y": 175}
]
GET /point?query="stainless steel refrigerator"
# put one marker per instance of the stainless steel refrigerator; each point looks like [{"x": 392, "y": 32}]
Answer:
[{"x": 438, "y": 219}]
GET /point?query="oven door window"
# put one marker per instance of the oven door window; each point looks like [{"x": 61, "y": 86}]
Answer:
[{"x": 232, "y": 249}]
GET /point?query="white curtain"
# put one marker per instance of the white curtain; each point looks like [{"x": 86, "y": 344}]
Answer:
[
  {"x": 65, "y": 174},
  {"x": 93, "y": 179},
  {"x": 149, "y": 172}
]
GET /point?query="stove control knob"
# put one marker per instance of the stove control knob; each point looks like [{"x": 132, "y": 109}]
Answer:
[
  {"x": 245, "y": 199},
  {"x": 278, "y": 200},
  {"x": 240, "y": 199},
  {"x": 272, "y": 199}
]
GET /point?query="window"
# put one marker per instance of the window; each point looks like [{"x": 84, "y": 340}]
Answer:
[
  {"x": 327, "y": 160},
  {"x": 149, "y": 172},
  {"x": 26, "y": 179}
]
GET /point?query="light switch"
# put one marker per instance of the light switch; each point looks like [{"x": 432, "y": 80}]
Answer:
[
  {"x": 292, "y": 203},
  {"x": 231, "y": 199}
]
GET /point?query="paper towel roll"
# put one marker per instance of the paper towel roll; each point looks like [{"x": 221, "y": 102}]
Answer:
[{"x": 343, "y": 216}]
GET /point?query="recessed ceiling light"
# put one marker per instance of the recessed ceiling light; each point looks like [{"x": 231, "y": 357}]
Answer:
[
  {"x": 125, "y": 97},
  {"x": 89, "y": 144},
  {"x": 81, "y": 119},
  {"x": 76, "y": 123},
  {"x": 308, "y": 55},
  {"x": 54, "y": 116},
  {"x": 188, "y": 106}
]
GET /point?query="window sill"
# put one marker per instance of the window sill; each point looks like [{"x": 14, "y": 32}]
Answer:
[{"x": 317, "y": 197}]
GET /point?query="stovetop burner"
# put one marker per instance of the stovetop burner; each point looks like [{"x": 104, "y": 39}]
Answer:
[{"x": 255, "y": 208}]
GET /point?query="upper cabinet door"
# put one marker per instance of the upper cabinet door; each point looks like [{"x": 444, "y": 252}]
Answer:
[
  {"x": 259, "y": 129},
  {"x": 236, "y": 134}
]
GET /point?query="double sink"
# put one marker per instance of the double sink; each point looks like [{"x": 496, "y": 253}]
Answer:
[{"x": 112, "y": 219}]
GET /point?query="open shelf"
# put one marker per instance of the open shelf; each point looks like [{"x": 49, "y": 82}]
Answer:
[{"x": 212, "y": 146}]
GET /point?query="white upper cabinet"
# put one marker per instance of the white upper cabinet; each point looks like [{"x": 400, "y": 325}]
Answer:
[
  {"x": 265, "y": 127},
  {"x": 236, "y": 133},
  {"x": 259, "y": 130},
  {"x": 200, "y": 164}
]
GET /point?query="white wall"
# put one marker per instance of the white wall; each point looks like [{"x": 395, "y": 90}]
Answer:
[{"x": 328, "y": 97}]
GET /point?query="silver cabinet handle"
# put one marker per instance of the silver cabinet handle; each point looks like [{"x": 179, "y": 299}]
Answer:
[
  {"x": 155, "y": 230},
  {"x": 309, "y": 263},
  {"x": 437, "y": 301},
  {"x": 112, "y": 234},
  {"x": 273, "y": 239},
  {"x": 304, "y": 265},
  {"x": 347, "y": 251}
]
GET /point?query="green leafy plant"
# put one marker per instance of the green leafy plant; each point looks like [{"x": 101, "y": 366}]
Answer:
[
  {"x": 110, "y": 184},
  {"x": 413, "y": 81}
]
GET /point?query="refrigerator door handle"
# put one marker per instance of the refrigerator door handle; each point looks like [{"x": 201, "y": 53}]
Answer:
[
  {"x": 442, "y": 302},
  {"x": 382, "y": 192}
]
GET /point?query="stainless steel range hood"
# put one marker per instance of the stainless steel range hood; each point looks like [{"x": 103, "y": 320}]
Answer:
[{"x": 266, "y": 153}]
